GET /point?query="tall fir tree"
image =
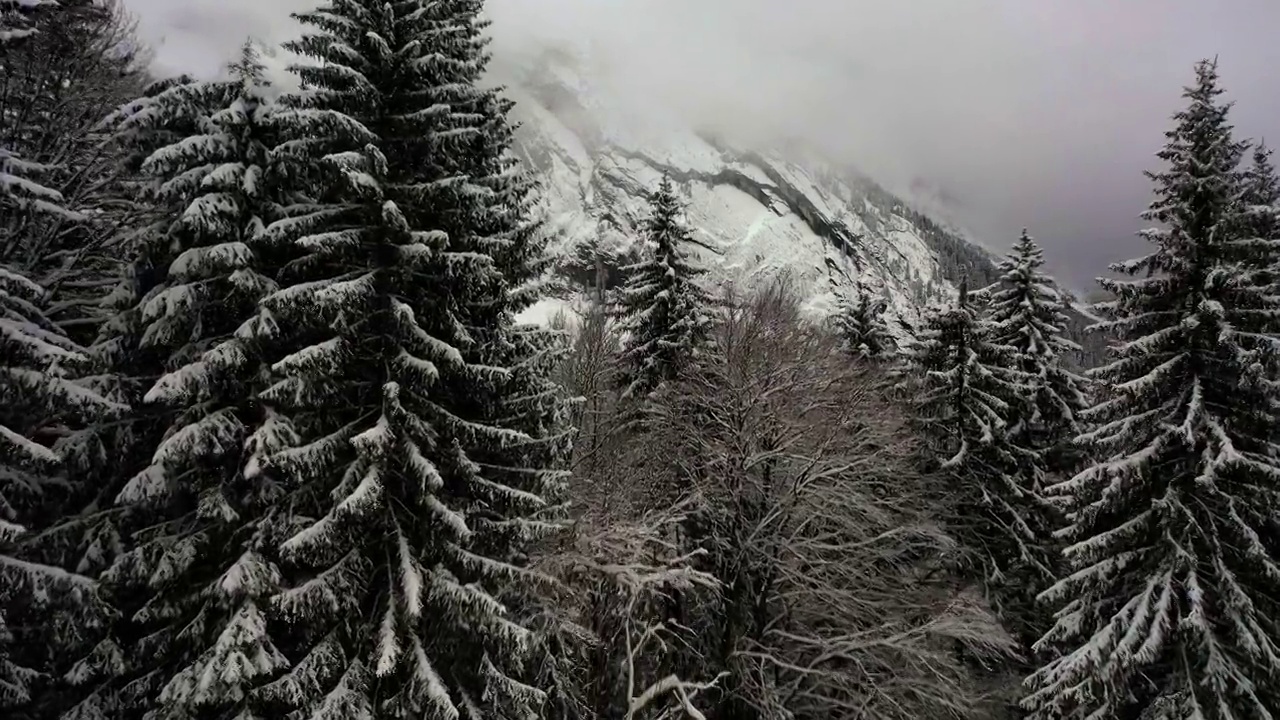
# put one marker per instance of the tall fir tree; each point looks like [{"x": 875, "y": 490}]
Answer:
[
  {"x": 40, "y": 401},
  {"x": 197, "y": 584},
  {"x": 1172, "y": 605},
  {"x": 1261, "y": 198},
  {"x": 1028, "y": 314},
  {"x": 1261, "y": 194},
  {"x": 108, "y": 455},
  {"x": 664, "y": 312},
  {"x": 859, "y": 320},
  {"x": 425, "y": 428},
  {"x": 97, "y": 530},
  {"x": 964, "y": 385}
]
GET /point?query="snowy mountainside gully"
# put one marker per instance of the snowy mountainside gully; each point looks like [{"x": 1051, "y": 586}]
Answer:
[{"x": 757, "y": 213}]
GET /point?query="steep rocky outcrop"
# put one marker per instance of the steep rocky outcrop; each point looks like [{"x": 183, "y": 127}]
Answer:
[{"x": 757, "y": 213}]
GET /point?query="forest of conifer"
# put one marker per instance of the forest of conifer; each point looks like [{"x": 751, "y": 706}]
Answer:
[{"x": 275, "y": 442}]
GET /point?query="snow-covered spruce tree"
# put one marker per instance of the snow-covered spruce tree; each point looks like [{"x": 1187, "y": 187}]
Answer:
[
  {"x": 964, "y": 384},
  {"x": 1261, "y": 199},
  {"x": 664, "y": 312},
  {"x": 198, "y": 643},
  {"x": 165, "y": 113},
  {"x": 1261, "y": 194},
  {"x": 1028, "y": 314},
  {"x": 168, "y": 111},
  {"x": 859, "y": 321},
  {"x": 39, "y": 399},
  {"x": 496, "y": 214},
  {"x": 419, "y": 469},
  {"x": 1172, "y": 605},
  {"x": 97, "y": 529}
]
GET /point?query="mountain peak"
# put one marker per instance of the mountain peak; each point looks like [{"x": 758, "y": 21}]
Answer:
[{"x": 758, "y": 211}]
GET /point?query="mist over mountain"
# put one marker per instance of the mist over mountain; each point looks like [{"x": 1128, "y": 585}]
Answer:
[
  {"x": 767, "y": 195},
  {"x": 757, "y": 209},
  {"x": 1018, "y": 114}
]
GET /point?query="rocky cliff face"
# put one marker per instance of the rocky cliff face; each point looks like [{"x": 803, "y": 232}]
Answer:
[{"x": 756, "y": 213}]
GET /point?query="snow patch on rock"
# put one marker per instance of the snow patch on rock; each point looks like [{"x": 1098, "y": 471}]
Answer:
[{"x": 599, "y": 156}]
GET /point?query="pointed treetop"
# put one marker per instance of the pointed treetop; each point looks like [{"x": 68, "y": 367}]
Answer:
[
  {"x": 1261, "y": 184},
  {"x": 664, "y": 200},
  {"x": 1197, "y": 191},
  {"x": 1024, "y": 239},
  {"x": 1172, "y": 577},
  {"x": 1206, "y": 79},
  {"x": 1026, "y": 252},
  {"x": 663, "y": 309},
  {"x": 1029, "y": 315},
  {"x": 249, "y": 68}
]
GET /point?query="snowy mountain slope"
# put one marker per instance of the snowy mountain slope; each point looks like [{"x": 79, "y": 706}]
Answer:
[{"x": 758, "y": 213}]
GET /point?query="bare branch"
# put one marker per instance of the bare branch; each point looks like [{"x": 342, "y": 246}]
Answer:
[{"x": 837, "y": 595}]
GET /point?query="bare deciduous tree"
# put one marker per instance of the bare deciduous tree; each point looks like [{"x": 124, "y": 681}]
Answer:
[
  {"x": 54, "y": 92},
  {"x": 763, "y": 544},
  {"x": 588, "y": 374},
  {"x": 617, "y": 579},
  {"x": 610, "y": 476},
  {"x": 836, "y": 601}
]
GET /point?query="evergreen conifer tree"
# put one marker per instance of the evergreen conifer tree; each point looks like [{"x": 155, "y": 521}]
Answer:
[
  {"x": 197, "y": 584},
  {"x": 103, "y": 456},
  {"x": 860, "y": 322},
  {"x": 965, "y": 384},
  {"x": 1028, "y": 315},
  {"x": 1261, "y": 199},
  {"x": 423, "y": 422},
  {"x": 1261, "y": 194},
  {"x": 664, "y": 312},
  {"x": 96, "y": 530},
  {"x": 1172, "y": 605},
  {"x": 39, "y": 399}
]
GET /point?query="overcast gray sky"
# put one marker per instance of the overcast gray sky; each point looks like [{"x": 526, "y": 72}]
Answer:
[{"x": 1041, "y": 113}]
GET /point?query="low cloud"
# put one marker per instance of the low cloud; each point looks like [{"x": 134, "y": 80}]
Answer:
[{"x": 1037, "y": 114}]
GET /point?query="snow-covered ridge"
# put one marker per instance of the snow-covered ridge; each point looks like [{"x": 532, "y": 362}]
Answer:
[{"x": 763, "y": 212}]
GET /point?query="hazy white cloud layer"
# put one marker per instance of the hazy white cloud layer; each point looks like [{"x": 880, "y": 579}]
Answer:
[{"x": 1041, "y": 113}]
